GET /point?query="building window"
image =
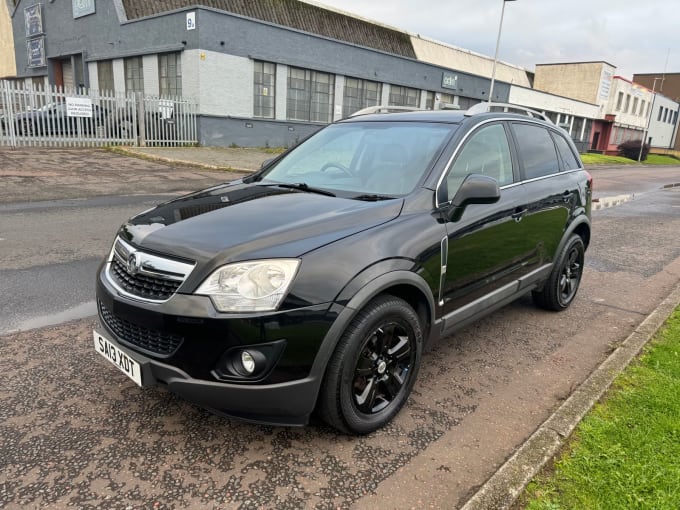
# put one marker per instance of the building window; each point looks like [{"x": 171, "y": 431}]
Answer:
[
  {"x": 625, "y": 110},
  {"x": 619, "y": 102},
  {"x": 619, "y": 136},
  {"x": 134, "y": 75},
  {"x": 642, "y": 108},
  {"x": 577, "y": 128},
  {"x": 170, "y": 74},
  {"x": 445, "y": 99},
  {"x": 635, "y": 105},
  {"x": 360, "y": 94},
  {"x": 429, "y": 100},
  {"x": 265, "y": 90},
  {"x": 665, "y": 114},
  {"x": 660, "y": 113},
  {"x": 465, "y": 103},
  {"x": 105, "y": 76},
  {"x": 310, "y": 95},
  {"x": 404, "y": 96}
]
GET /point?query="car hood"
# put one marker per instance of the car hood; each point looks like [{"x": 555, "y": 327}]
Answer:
[{"x": 239, "y": 221}]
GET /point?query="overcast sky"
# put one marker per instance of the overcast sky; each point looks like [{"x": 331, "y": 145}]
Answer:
[{"x": 633, "y": 35}]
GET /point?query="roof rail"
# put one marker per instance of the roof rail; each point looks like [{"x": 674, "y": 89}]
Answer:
[
  {"x": 385, "y": 109},
  {"x": 507, "y": 107}
]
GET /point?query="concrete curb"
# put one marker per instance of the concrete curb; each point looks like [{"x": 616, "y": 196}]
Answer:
[
  {"x": 505, "y": 486},
  {"x": 606, "y": 202},
  {"x": 127, "y": 151}
]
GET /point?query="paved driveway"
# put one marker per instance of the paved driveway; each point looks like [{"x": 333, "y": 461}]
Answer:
[{"x": 78, "y": 433}]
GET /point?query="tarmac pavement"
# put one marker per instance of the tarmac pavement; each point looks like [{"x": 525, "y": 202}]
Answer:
[{"x": 508, "y": 481}]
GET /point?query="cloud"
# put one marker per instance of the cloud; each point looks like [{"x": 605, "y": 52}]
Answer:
[{"x": 633, "y": 35}]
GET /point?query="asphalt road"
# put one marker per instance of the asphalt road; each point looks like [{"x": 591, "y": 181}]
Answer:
[{"x": 76, "y": 432}]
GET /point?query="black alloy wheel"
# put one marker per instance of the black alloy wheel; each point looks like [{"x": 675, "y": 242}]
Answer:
[
  {"x": 382, "y": 368},
  {"x": 571, "y": 275},
  {"x": 374, "y": 367},
  {"x": 565, "y": 278}
]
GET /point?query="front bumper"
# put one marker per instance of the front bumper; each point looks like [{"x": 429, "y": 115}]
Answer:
[{"x": 199, "y": 337}]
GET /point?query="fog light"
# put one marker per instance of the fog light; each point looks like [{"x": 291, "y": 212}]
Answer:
[{"x": 248, "y": 362}]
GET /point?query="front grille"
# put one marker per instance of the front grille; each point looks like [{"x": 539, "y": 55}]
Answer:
[
  {"x": 147, "y": 340},
  {"x": 144, "y": 286},
  {"x": 143, "y": 275}
]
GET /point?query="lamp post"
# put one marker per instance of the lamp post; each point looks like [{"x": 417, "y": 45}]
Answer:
[
  {"x": 495, "y": 58},
  {"x": 649, "y": 117}
]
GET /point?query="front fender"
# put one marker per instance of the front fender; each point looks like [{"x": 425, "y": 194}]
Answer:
[{"x": 366, "y": 290}]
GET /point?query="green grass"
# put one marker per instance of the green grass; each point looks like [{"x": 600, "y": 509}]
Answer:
[
  {"x": 652, "y": 159},
  {"x": 659, "y": 159},
  {"x": 626, "y": 452}
]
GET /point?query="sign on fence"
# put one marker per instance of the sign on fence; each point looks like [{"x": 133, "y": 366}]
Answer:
[{"x": 79, "y": 107}]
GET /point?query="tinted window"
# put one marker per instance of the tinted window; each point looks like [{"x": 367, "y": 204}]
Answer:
[
  {"x": 486, "y": 153},
  {"x": 536, "y": 151},
  {"x": 570, "y": 161}
]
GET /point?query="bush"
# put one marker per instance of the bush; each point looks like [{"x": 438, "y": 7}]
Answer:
[{"x": 631, "y": 150}]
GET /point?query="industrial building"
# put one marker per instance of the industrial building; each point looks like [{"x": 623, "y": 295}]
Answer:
[{"x": 270, "y": 72}]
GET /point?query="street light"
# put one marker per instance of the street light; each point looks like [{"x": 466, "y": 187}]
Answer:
[
  {"x": 495, "y": 58},
  {"x": 649, "y": 117}
]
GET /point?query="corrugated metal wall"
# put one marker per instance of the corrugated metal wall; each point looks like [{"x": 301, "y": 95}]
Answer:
[{"x": 294, "y": 14}]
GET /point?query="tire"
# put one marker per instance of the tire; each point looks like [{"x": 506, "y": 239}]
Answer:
[
  {"x": 560, "y": 289},
  {"x": 373, "y": 368}
]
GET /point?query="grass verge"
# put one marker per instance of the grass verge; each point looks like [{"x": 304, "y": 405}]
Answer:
[
  {"x": 624, "y": 455},
  {"x": 652, "y": 159}
]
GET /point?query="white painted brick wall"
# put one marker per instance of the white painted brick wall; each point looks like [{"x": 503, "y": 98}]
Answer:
[
  {"x": 93, "y": 74},
  {"x": 150, "y": 71},
  {"x": 119, "y": 75},
  {"x": 190, "y": 81},
  {"x": 339, "y": 96},
  {"x": 226, "y": 84},
  {"x": 385, "y": 99},
  {"x": 281, "y": 91}
]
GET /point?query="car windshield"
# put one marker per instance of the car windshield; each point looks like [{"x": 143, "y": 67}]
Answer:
[{"x": 366, "y": 159}]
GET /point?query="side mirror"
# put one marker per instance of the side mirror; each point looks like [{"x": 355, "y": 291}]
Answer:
[
  {"x": 266, "y": 162},
  {"x": 475, "y": 189}
]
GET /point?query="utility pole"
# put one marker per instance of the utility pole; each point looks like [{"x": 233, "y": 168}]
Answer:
[
  {"x": 649, "y": 118},
  {"x": 495, "y": 58}
]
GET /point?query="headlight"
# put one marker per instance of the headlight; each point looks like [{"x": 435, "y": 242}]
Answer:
[{"x": 250, "y": 286}]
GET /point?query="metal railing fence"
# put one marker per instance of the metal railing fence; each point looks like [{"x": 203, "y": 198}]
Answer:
[{"x": 52, "y": 117}]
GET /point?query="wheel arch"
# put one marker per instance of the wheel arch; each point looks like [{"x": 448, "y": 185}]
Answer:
[
  {"x": 406, "y": 285},
  {"x": 581, "y": 227}
]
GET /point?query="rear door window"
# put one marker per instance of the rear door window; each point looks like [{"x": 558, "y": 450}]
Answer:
[{"x": 537, "y": 153}]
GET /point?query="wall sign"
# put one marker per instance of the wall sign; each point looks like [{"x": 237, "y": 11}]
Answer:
[
  {"x": 36, "y": 52},
  {"x": 34, "y": 21},
  {"x": 83, "y": 8},
  {"x": 449, "y": 81},
  {"x": 191, "y": 21},
  {"x": 605, "y": 84}
]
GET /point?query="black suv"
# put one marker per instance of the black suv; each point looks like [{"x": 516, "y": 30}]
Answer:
[{"x": 315, "y": 283}]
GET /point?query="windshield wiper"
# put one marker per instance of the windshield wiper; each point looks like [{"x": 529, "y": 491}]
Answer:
[
  {"x": 372, "y": 197},
  {"x": 302, "y": 186}
]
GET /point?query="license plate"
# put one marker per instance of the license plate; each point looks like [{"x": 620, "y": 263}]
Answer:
[{"x": 121, "y": 360}]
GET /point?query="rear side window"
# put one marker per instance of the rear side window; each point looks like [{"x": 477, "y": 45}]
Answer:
[
  {"x": 570, "y": 161},
  {"x": 536, "y": 151}
]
